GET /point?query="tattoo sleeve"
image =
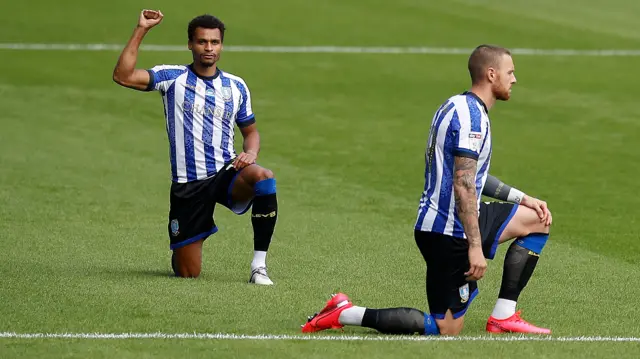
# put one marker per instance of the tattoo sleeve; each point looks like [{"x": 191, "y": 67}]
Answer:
[{"x": 464, "y": 186}]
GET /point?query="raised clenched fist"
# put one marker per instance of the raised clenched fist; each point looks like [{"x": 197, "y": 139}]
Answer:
[{"x": 150, "y": 18}]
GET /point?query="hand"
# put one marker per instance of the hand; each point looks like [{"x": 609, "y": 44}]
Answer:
[
  {"x": 244, "y": 159},
  {"x": 540, "y": 207},
  {"x": 478, "y": 264},
  {"x": 149, "y": 18}
]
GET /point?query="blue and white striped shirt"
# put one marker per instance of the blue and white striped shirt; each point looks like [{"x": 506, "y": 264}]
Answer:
[
  {"x": 200, "y": 114},
  {"x": 460, "y": 127}
]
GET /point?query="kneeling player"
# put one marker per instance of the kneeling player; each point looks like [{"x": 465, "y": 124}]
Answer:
[
  {"x": 454, "y": 231},
  {"x": 201, "y": 105},
  {"x": 449, "y": 293}
]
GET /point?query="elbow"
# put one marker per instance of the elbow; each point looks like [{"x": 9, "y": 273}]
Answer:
[
  {"x": 458, "y": 192},
  {"x": 460, "y": 188},
  {"x": 464, "y": 190},
  {"x": 116, "y": 78},
  {"x": 119, "y": 78}
]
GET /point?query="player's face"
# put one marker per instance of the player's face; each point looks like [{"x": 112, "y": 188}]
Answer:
[
  {"x": 206, "y": 46},
  {"x": 505, "y": 78}
]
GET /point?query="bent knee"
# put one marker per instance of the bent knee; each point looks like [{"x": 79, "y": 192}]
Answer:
[
  {"x": 264, "y": 174},
  {"x": 536, "y": 228},
  {"x": 530, "y": 223}
]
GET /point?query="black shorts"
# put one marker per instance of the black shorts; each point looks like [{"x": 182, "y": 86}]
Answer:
[
  {"x": 447, "y": 260},
  {"x": 193, "y": 203}
]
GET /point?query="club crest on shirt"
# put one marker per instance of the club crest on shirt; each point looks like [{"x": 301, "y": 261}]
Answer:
[
  {"x": 226, "y": 93},
  {"x": 464, "y": 293}
]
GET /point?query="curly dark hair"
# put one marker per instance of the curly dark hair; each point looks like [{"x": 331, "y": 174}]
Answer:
[{"x": 208, "y": 22}]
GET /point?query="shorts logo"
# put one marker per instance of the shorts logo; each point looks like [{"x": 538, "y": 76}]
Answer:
[
  {"x": 464, "y": 293},
  {"x": 226, "y": 93},
  {"x": 175, "y": 227}
]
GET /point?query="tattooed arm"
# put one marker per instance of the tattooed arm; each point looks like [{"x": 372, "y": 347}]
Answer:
[{"x": 464, "y": 187}]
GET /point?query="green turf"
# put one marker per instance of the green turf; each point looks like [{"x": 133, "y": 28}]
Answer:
[
  {"x": 85, "y": 176},
  {"x": 296, "y": 349}
]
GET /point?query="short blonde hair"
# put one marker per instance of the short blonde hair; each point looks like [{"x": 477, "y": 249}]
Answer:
[{"x": 482, "y": 57}]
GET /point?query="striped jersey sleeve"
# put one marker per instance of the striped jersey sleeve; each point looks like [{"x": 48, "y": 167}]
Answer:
[
  {"x": 162, "y": 76},
  {"x": 244, "y": 116},
  {"x": 467, "y": 129}
]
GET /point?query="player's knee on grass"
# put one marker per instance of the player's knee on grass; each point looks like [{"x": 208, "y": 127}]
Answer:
[
  {"x": 185, "y": 269},
  {"x": 187, "y": 261},
  {"x": 450, "y": 329},
  {"x": 450, "y": 326}
]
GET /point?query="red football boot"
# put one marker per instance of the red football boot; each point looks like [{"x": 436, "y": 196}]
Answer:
[
  {"x": 329, "y": 315},
  {"x": 514, "y": 324}
]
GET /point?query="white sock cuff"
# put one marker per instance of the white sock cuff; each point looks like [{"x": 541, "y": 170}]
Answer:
[
  {"x": 259, "y": 259},
  {"x": 352, "y": 316},
  {"x": 504, "y": 309}
]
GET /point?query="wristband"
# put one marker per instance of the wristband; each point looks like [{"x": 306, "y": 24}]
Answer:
[{"x": 515, "y": 196}]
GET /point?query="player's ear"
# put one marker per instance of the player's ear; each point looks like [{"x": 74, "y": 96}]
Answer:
[
  {"x": 190, "y": 45},
  {"x": 491, "y": 74}
]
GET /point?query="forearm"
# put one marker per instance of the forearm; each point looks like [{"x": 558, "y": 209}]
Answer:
[
  {"x": 251, "y": 143},
  {"x": 129, "y": 57},
  {"x": 497, "y": 189},
  {"x": 467, "y": 207}
]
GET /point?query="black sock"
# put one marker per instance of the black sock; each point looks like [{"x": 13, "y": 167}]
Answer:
[
  {"x": 394, "y": 320},
  {"x": 519, "y": 264},
  {"x": 263, "y": 218}
]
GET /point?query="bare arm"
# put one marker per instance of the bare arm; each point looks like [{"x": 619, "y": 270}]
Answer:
[
  {"x": 250, "y": 145},
  {"x": 125, "y": 72},
  {"x": 251, "y": 138},
  {"x": 464, "y": 186}
]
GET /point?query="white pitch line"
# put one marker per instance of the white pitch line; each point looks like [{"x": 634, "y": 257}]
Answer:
[
  {"x": 223, "y": 336},
  {"x": 322, "y": 49}
]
